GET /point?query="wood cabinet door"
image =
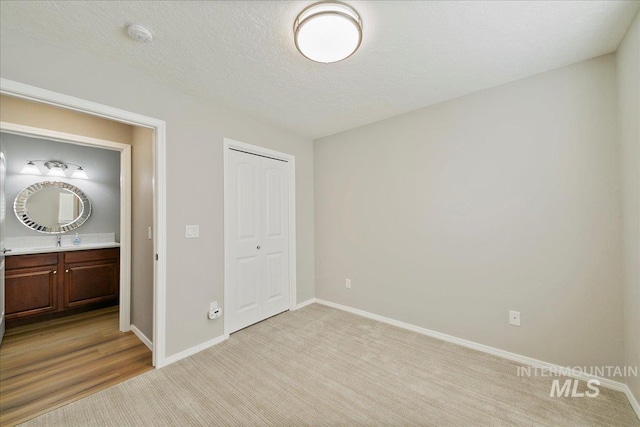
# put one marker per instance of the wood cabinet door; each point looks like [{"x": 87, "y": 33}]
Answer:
[
  {"x": 30, "y": 291},
  {"x": 91, "y": 282}
]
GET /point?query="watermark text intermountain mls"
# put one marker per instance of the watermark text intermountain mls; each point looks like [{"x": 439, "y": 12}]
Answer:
[{"x": 571, "y": 387}]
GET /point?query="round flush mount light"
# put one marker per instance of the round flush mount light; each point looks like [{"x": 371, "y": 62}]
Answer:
[
  {"x": 328, "y": 32},
  {"x": 139, "y": 33}
]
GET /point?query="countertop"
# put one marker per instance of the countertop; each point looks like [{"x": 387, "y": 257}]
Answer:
[{"x": 48, "y": 249}]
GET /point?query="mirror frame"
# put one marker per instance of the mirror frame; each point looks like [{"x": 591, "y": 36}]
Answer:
[{"x": 20, "y": 207}]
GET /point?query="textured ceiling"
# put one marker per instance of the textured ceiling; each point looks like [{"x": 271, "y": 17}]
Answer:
[{"x": 413, "y": 54}]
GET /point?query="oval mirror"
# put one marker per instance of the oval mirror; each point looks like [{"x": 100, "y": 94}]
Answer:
[{"x": 52, "y": 207}]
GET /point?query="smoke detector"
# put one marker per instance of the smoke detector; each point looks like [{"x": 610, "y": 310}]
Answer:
[{"x": 139, "y": 33}]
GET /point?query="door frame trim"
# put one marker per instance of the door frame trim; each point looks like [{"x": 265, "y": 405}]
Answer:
[
  {"x": 291, "y": 160},
  {"x": 33, "y": 93}
]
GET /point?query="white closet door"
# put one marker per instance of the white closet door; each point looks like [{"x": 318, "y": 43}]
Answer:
[
  {"x": 275, "y": 236},
  {"x": 258, "y": 238}
]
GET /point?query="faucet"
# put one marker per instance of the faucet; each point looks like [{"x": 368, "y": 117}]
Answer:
[{"x": 59, "y": 240}]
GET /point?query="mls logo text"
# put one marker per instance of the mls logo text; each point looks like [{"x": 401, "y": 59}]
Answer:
[{"x": 570, "y": 388}]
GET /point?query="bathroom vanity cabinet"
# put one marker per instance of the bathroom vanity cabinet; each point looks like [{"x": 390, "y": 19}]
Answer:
[{"x": 44, "y": 286}]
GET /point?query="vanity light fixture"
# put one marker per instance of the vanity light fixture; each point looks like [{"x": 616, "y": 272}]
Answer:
[
  {"x": 56, "y": 168},
  {"x": 328, "y": 32}
]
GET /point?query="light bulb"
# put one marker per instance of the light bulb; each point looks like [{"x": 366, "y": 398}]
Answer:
[
  {"x": 80, "y": 173},
  {"x": 56, "y": 171},
  {"x": 31, "y": 169}
]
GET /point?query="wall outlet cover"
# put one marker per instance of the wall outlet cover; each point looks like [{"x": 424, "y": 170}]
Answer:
[{"x": 514, "y": 318}]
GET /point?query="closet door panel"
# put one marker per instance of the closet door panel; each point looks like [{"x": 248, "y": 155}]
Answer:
[
  {"x": 245, "y": 263},
  {"x": 276, "y": 236}
]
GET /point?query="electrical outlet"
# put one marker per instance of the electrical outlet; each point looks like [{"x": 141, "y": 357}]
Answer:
[
  {"x": 514, "y": 318},
  {"x": 214, "y": 314},
  {"x": 347, "y": 283}
]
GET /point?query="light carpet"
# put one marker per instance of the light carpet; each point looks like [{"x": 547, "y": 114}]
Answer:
[{"x": 324, "y": 367}]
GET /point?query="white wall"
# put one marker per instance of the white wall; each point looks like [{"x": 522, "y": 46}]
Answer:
[
  {"x": 195, "y": 130},
  {"x": 628, "y": 67},
  {"x": 506, "y": 199},
  {"x": 102, "y": 189}
]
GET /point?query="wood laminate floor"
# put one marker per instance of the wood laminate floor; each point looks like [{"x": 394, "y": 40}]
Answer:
[{"x": 47, "y": 365}]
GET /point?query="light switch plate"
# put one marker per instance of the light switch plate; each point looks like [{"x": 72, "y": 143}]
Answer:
[{"x": 192, "y": 231}]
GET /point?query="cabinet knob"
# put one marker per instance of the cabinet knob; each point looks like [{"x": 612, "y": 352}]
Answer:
[
  {"x": 55, "y": 271},
  {"x": 66, "y": 271},
  {"x": 258, "y": 247}
]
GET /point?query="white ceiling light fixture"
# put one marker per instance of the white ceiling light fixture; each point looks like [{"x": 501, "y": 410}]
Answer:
[
  {"x": 139, "y": 33},
  {"x": 328, "y": 32}
]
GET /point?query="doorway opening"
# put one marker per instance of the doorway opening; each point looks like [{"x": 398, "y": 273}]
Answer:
[
  {"x": 54, "y": 215},
  {"x": 43, "y": 96}
]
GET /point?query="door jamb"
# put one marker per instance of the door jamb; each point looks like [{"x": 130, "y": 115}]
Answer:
[
  {"x": 32, "y": 93},
  {"x": 291, "y": 160}
]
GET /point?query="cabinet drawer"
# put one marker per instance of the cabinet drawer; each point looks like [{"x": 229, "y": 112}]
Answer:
[
  {"x": 91, "y": 255},
  {"x": 27, "y": 261}
]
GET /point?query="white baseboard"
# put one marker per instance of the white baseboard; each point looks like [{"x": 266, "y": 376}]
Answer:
[
  {"x": 142, "y": 337},
  {"x": 605, "y": 382},
  {"x": 305, "y": 303},
  {"x": 193, "y": 350}
]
